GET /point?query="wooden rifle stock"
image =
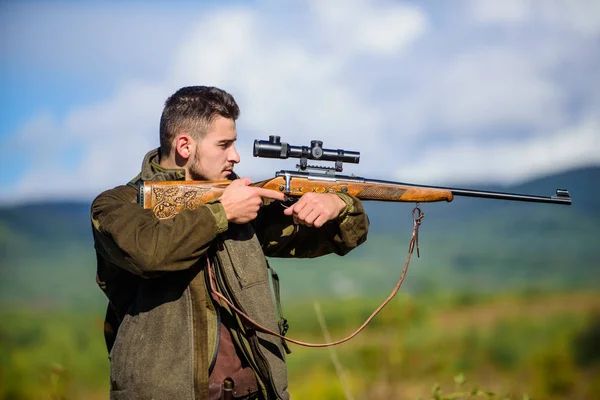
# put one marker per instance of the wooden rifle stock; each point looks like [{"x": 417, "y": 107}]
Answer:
[{"x": 167, "y": 198}]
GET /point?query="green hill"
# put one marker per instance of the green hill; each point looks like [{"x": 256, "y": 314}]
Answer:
[{"x": 46, "y": 250}]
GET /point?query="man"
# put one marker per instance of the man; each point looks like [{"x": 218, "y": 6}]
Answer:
[{"x": 167, "y": 335}]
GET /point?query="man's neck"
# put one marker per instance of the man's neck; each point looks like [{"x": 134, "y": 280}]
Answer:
[{"x": 170, "y": 163}]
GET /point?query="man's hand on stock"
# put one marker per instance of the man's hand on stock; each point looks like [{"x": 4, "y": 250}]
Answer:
[{"x": 242, "y": 202}]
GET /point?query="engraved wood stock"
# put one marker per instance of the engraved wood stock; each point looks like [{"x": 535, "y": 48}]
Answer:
[
  {"x": 362, "y": 190},
  {"x": 167, "y": 198}
]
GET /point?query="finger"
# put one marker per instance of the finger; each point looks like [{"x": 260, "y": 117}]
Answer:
[
  {"x": 250, "y": 216},
  {"x": 305, "y": 211},
  {"x": 270, "y": 194},
  {"x": 300, "y": 204},
  {"x": 320, "y": 221},
  {"x": 289, "y": 210},
  {"x": 311, "y": 217},
  {"x": 256, "y": 202}
]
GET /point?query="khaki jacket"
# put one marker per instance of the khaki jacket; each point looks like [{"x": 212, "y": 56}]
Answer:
[{"x": 161, "y": 327}]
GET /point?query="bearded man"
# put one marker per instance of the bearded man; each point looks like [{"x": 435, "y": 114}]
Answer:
[{"x": 167, "y": 336}]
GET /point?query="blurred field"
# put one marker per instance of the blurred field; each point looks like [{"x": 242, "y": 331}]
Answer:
[
  {"x": 540, "y": 345},
  {"x": 504, "y": 298}
]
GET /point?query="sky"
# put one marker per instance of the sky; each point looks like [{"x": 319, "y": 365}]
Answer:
[{"x": 432, "y": 92}]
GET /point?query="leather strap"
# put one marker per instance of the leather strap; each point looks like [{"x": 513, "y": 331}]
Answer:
[{"x": 414, "y": 242}]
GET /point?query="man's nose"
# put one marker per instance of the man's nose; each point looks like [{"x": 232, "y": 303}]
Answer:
[{"x": 234, "y": 156}]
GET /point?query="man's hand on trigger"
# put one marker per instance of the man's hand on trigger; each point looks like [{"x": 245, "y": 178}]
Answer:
[
  {"x": 242, "y": 202},
  {"x": 315, "y": 209}
]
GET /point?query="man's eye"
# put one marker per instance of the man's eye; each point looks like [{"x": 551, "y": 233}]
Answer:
[{"x": 224, "y": 145}]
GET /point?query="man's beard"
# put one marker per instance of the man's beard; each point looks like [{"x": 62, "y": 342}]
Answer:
[{"x": 197, "y": 172}]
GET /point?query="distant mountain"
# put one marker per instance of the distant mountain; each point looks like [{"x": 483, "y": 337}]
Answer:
[
  {"x": 49, "y": 221},
  {"x": 46, "y": 250}
]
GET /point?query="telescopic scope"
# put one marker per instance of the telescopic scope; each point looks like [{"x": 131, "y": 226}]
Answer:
[{"x": 275, "y": 148}]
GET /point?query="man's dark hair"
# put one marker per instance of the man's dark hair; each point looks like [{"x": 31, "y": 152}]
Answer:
[{"x": 193, "y": 109}]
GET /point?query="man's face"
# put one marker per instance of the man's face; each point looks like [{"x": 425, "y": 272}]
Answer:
[{"x": 215, "y": 154}]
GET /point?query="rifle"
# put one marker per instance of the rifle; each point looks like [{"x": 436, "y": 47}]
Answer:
[{"x": 167, "y": 198}]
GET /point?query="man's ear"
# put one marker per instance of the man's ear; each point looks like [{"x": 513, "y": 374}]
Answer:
[{"x": 184, "y": 145}]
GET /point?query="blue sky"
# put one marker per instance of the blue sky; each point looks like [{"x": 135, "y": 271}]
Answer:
[{"x": 428, "y": 92}]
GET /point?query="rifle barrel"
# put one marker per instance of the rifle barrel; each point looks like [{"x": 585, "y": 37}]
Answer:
[{"x": 561, "y": 197}]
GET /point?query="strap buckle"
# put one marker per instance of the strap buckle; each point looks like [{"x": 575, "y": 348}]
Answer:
[{"x": 283, "y": 326}]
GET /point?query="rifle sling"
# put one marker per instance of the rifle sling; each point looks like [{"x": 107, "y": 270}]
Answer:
[{"x": 414, "y": 242}]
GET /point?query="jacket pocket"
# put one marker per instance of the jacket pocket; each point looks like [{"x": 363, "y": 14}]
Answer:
[
  {"x": 250, "y": 275},
  {"x": 154, "y": 355},
  {"x": 242, "y": 249}
]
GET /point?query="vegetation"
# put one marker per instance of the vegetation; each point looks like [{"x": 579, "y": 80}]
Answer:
[
  {"x": 502, "y": 304},
  {"x": 514, "y": 346},
  {"x": 509, "y": 345}
]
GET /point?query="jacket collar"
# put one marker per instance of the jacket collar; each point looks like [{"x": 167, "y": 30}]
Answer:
[{"x": 153, "y": 171}]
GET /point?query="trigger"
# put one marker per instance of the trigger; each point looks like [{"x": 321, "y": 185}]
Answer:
[{"x": 288, "y": 201}]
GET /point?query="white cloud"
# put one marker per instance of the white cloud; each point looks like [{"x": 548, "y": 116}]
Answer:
[
  {"x": 378, "y": 77},
  {"x": 289, "y": 87},
  {"x": 284, "y": 88},
  {"x": 501, "y": 11},
  {"x": 357, "y": 26},
  {"x": 579, "y": 16},
  {"x": 508, "y": 161},
  {"x": 494, "y": 87}
]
